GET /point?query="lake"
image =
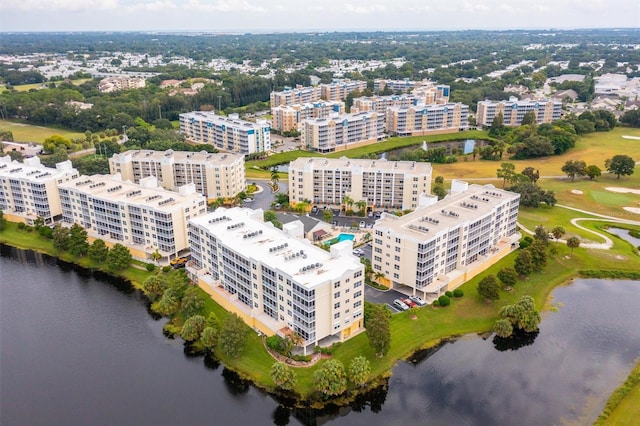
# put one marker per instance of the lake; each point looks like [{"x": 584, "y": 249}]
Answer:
[{"x": 79, "y": 348}]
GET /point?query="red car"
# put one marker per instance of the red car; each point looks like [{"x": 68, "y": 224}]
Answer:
[{"x": 410, "y": 303}]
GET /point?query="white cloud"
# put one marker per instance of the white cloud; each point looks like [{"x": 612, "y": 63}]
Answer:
[
  {"x": 154, "y": 6},
  {"x": 365, "y": 10},
  {"x": 223, "y": 6},
  {"x": 60, "y": 5}
]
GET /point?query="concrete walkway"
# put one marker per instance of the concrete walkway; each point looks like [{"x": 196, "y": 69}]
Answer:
[{"x": 608, "y": 243}]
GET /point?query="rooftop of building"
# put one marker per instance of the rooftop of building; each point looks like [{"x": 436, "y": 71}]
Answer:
[
  {"x": 360, "y": 165},
  {"x": 244, "y": 231},
  {"x": 429, "y": 220},
  {"x": 231, "y": 119},
  {"x": 514, "y": 100},
  {"x": 339, "y": 118},
  {"x": 34, "y": 171},
  {"x": 431, "y": 107},
  {"x": 309, "y": 105},
  {"x": 178, "y": 156}
]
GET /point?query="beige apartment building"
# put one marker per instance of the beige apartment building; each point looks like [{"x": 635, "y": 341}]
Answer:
[
  {"x": 274, "y": 279},
  {"x": 425, "y": 119},
  {"x": 341, "y": 131},
  {"x": 29, "y": 190},
  {"x": 114, "y": 84},
  {"x": 436, "y": 93},
  {"x": 513, "y": 111},
  {"x": 294, "y": 96},
  {"x": 228, "y": 134},
  {"x": 340, "y": 88},
  {"x": 288, "y": 117},
  {"x": 443, "y": 244},
  {"x": 142, "y": 217},
  {"x": 214, "y": 175},
  {"x": 381, "y": 184}
]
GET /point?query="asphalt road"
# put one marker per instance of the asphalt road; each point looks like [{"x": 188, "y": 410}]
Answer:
[{"x": 264, "y": 199}]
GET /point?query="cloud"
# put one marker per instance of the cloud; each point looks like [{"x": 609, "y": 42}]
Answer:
[
  {"x": 365, "y": 10},
  {"x": 61, "y": 5},
  {"x": 223, "y": 6},
  {"x": 154, "y": 6}
]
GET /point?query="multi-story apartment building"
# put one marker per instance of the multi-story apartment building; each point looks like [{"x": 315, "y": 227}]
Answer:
[
  {"x": 340, "y": 88},
  {"x": 142, "y": 217},
  {"x": 29, "y": 190},
  {"x": 434, "y": 93},
  {"x": 274, "y": 279},
  {"x": 214, "y": 175},
  {"x": 297, "y": 95},
  {"x": 442, "y": 244},
  {"x": 381, "y": 184},
  {"x": 513, "y": 111},
  {"x": 228, "y": 134},
  {"x": 331, "y": 134},
  {"x": 380, "y": 104},
  {"x": 113, "y": 84},
  {"x": 288, "y": 117},
  {"x": 396, "y": 86},
  {"x": 427, "y": 119}
]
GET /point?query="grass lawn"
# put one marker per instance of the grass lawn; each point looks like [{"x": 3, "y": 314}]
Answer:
[
  {"x": 30, "y": 133},
  {"x": 550, "y": 217},
  {"x": 623, "y": 405},
  {"x": 27, "y": 87}
]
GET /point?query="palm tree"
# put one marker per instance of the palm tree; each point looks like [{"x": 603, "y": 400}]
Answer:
[
  {"x": 275, "y": 177},
  {"x": 573, "y": 242},
  {"x": 558, "y": 232},
  {"x": 347, "y": 202},
  {"x": 378, "y": 276},
  {"x": 362, "y": 205},
  {"x": 155, "y": 256}
]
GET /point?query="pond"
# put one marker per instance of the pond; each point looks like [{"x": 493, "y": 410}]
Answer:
[
  {"x": 461, "y": 146},
  {"x": 624, "y": 234},
  {"x": 80, "y": 348}
]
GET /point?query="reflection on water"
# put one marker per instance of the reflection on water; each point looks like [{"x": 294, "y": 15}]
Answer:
[{"x": 624, "y": 234}]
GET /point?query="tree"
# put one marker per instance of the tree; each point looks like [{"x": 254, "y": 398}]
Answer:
[
  {"x": 558, "y": 232},
  {"x": 541, "y": 234},
  {"x": 283, "y": 376},
  {"x": 330, "y": 379},
  {"x": 378, "y": 329},
  {"x": 359, "y": 370},
  {"x": 529, "y": 118},
  {"x": 168, "y": 304},
  {"x": 497, "y": 128},
  {"x": 522, "y": 315},
  {"x": 488, "y": 288},
  {"x": 361, "y": 205},
  {"x": 531, "y": 194},
  {"x": 347, "y": 202},
  {"x": 209, "y": 337},
  {"x": 98, "y": 251},
  {"x": 192, "y": 303},
  {"x": 620, "y": 165},
  {"x": 60, "y": 237},
  {"x": 631, "y": 118},
  {"x": 275, "y": 177},
  {"x": 119, "y": 258},
  {"x": 531, "y": 174},
  {"x": 233, "y": 336},
  {"x": 524, "y": 263},
  {"x": 573, "y": 168},
  {"x": 54, "y": 141},
  {"x": 3, "y": 220},
  {"x": 327, "y": 215},
  {"x": 506, "y": 172},
  {"x": 508, "y": 277},
  {"x": 538, "y": 252},
  {"x": 154, "y": 286},
  {"x": 593, "y": 171},
  {"x": 192, "y": 328},
  {"x": 77, "y": 245},
  {"x": 156, "y": 255},
  {"x": 503, "y": 328},
  {"x": 573, "y": 243}
]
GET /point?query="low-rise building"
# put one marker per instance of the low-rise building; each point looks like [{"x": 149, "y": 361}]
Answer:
[
  {"x": 143, "y": 217},
  {"x": 29, "y": 190},
  {"x": 214, "y": 175},
  {"x": 341, "y": 131},
  {"x": 273, "y": 279},
  {"x": 228, "y": 134},
  {"x": 381, "y": 184},
  {"x": 113, "y": 84},
  {"x": 425, "y": 119},
  {"x": 514, "y": 110},
  {"x": 288, "y": 117},
  {"x": 443, "y": 244}
]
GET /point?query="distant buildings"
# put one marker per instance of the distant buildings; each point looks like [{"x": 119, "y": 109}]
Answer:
[
  {"x": 141, "y": 217},
  {"x": 274, "y": 280},
  {"x": 293, "y": 96},
  {"x": 381, "y": 184},
  {"x": 288, "y": 117},
  {"x": 229, "y": 134},
  {"x": 513, "y": 111},
  {"x": 340, "y": 88},
  {"x": 339, "y": 131},
  {"x": 442, "y": 244},
  {"x": 214, "y": 175},
  {"x": 423, "y": 119},
  {"x": 29, "y": 190},
  {"x": 114, "y": 84}
]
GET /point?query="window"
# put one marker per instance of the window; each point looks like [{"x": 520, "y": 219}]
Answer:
[
  {"x": 336, "y": 294},
  {"x": 336, "y": 315},
  {"x": 336, "y": 305}
]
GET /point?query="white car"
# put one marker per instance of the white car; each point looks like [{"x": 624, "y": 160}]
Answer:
[
  {"x": 358, "y": 252},
  {"x": 400, "y": 305},
  {"x": 363, "y": 224},
  {"x": 418, "y": 301}
]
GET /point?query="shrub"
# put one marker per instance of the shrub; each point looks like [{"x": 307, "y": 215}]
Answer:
[
  {"x": 166, "y": 269},
  {"x": 302, "y": 358},
  {"x": 327, "y": 351},
  {"x": 634, "y": 233},
  {"x": 21, "y": 225},
  {"x": 458, "y": 293},
  {"x": 444, "y": 300},
  {"x": 274, "y": 343},
  {"x": 526, "y": 242},
  {"x": 436, "y": 303},
  {"x": 448, "y": 294},
  {"x": 150, "y": 267}
]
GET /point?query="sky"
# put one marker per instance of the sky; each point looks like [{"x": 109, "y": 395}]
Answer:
[{"x": 306, "y": 15}]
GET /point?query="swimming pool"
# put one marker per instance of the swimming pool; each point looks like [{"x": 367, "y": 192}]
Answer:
[{"x": 340, "y": 238}]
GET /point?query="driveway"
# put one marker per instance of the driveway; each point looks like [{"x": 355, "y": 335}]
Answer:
[{"x": 263, "y": 199}]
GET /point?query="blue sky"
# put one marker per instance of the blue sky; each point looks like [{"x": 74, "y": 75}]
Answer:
[{"x": 297, "y": 15}]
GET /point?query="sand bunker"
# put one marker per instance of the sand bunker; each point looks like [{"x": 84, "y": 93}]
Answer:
[
  {"x": 577, "y": 192},
  {"x": 630, "y": 137},
  {"x": 622, "y": 190},
  {"x": 635, "y": 210}
]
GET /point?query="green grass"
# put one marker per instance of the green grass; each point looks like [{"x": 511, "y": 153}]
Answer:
[
  {"x": 623, "y": 407},
  {"x": 27, "y": 87},
  {"x": 30, "y": 133},
  {"x": 550, "y": 217}
]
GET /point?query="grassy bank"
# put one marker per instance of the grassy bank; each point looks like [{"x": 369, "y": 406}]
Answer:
[
  {"x": 623, "y": 407},
  {"x": 30, "y": 133}
]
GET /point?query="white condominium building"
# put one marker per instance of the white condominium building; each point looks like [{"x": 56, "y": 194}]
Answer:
[
  {"x": 298, "y": 95},
  {"x": 274, "y": 279},
  {"x": 142, "y": 217},
  {"x": 336, "y": 132},
  {"x": 431, "y": 92},
  {"x": 229, "y": 134},
  {"x": 214, "y": 175},
  {"x": 288, "y": 117},
  {"x": 381, "y": 184},
  {"x": 427, "y": 119},
  {"x": 513, "y": 111},
  {"x": 340, "y": 88},
  {"x": 380, "y": 104},
  {"x": 442, "y": 244},
  {"x": 29, "y": 190}
]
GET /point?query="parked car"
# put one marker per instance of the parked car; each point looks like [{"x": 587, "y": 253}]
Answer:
[
  {"x": 358, "y": 252},
  {"x": 418, "y": 301},
  {"x": 314, "y": 209},
  {"x": 363, "y": 224},
  {"x": 179, "y": 262},
  {"x": 400, "y": 305},
  {"x": 377, "y": 215},
  {"x": 248, "y": 200},
  {"x": 370, "y": 215},
  {"x": 409, "y": 303}
]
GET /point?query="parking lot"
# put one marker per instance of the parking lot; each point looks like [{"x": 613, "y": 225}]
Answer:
[{"x": 373, "y": 295}]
